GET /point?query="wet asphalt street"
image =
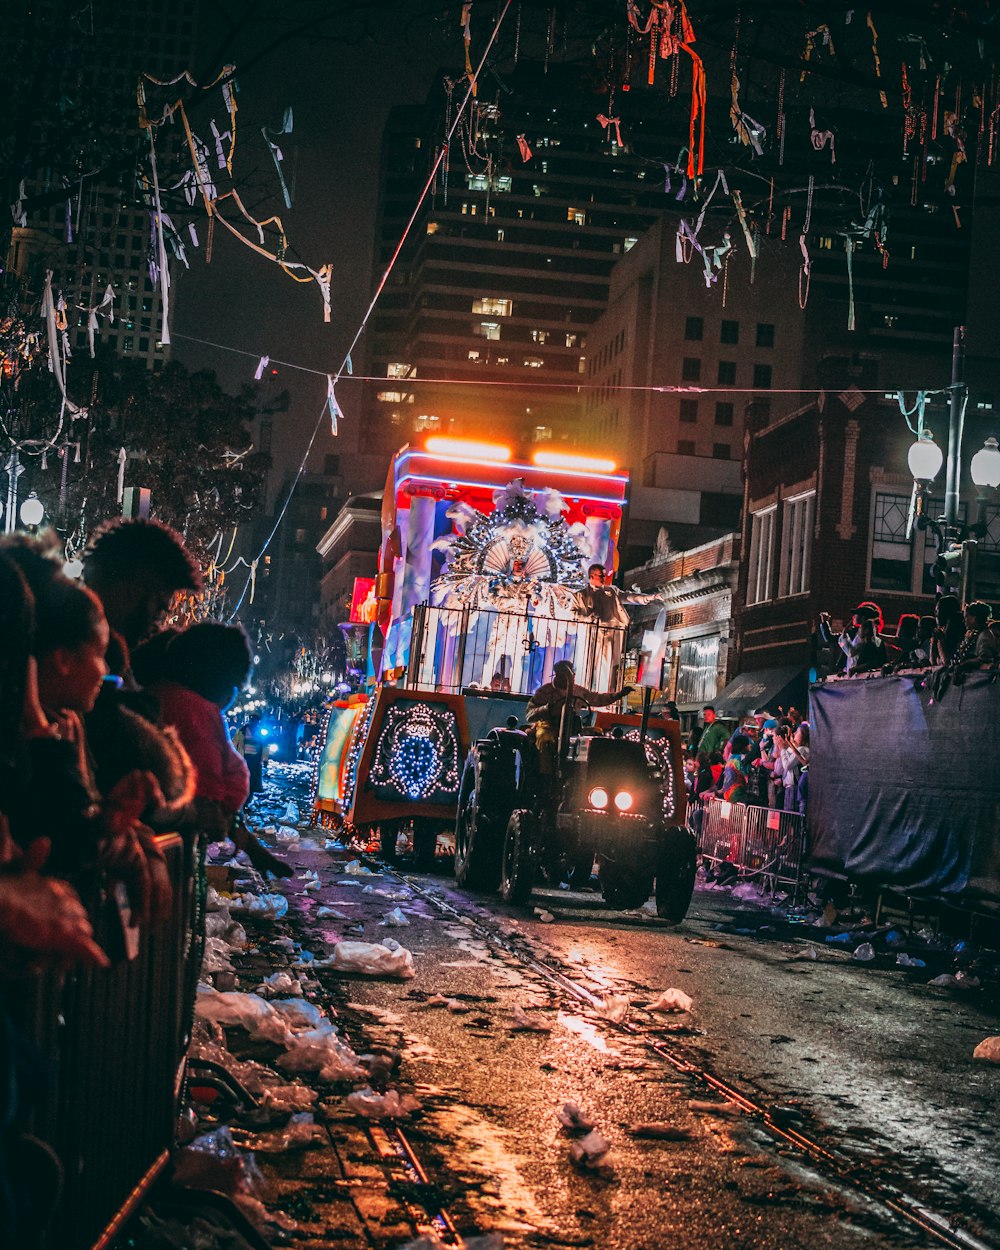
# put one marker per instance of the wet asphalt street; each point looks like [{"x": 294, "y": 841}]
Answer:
[{"x": 869, "y": 1062}]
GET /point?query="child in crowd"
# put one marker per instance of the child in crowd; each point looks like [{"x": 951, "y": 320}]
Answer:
[{"x": 196, "y": 674}]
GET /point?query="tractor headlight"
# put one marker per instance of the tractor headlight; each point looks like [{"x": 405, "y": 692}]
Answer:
[
  {"x": 624, "y": 801},
  {"x": 598, "y": 797}
]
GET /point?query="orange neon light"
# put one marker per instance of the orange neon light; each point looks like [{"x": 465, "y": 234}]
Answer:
[
  {"x": 559, "y": 460},
  {"x": 467, "y": 449}
]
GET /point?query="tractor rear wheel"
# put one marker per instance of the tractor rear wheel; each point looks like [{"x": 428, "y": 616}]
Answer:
[
  {"x": 517, "y": 874},
  {"x": 478, "y": 843},
  {"x": 676, "y": 865}
]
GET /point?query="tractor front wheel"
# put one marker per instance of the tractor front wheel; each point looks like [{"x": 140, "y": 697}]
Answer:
[{"x": 517, "y": 874}]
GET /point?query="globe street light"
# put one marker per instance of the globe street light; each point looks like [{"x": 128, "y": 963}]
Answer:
[
  {"x": 985, "y": 466},
  {"x": 925, "y": 458},
  {"x": 957, "y": 542},
  {"x": 32, "y": 512}
]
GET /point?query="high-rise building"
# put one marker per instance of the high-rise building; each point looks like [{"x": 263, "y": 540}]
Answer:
[{"x": 507, "y": 266}]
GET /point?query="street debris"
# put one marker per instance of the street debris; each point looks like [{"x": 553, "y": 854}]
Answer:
[
  {"x": 988, "y": 1050},
  {"x": 589, "y": 1153},
  {"x": 521, "y": 1022},
  {"x": 614, "y": 1008},
  {"x": 573, "y": 1119},
  {"x": 395, "y": 919},
  {"x": 430, "y": 1241},
  {"x": 729, "y": 1109},
  {"x": 656, "y": 1131},
  {"x": 865, "y": 953},
  {"x": 373, "y": 959},
  {"x": 672, "y": 1000},
  {"x": 546, "y": 917},
  {"x": 955, "y": 981},
  {"x": 388, "y": 1106}
]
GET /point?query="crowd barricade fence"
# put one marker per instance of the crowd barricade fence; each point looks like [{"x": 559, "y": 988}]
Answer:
[
  {"x": 764, "y": 843},
  {"x": 113, "y": 1043}
]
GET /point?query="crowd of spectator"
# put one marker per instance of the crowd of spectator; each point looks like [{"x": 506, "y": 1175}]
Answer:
[
  {"x": 763, "y": 761},
  {"x": 111, "y": 730},
  {"x": 954, "y": 639}
]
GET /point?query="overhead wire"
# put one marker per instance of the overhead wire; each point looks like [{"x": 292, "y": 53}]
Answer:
[{"x": 442, "y": 151}]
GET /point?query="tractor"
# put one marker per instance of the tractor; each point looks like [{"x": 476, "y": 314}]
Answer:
[{"x": 615, "y": 794}]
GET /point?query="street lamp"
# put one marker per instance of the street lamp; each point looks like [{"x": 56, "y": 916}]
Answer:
[
  {"x": 957, "y": 542},
  {"x": 925, "y": 458},
  {"x": 32, "y": 512},
  {"x": 985, "y": 466}
]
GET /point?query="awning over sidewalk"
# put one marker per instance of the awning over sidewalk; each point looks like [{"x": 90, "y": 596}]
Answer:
[{"x": 772, "y": 688}]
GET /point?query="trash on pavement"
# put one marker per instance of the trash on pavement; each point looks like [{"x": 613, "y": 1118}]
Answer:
[
  {"x": 278, "y": 983},
  {"x": 261, "y": 906},
  {"x": 218, "y": 955},
  {"x": 614, "y": 1008},
  {"x": 908, "y": 961},
  {"x": 521, "y": 1022},
  {"x": 864, "y": 953},
  {"x": 387, "y": 1106},
  {"x": 714, "y": 1108},
  {"x": 657, "y": 1131},
  {"x": 955, "y": 981},
  {"x": 213, "y": 1161},
  {"x": 299, "y": 1013},
  {"x": 355, "y": 868},
  {"x": 589, "y": 1153},
  {"x": 331, "y": 913},
  {"x": 299, "y": 1133},
  {"x": 430, "y": 1241},
  {"x": 287, "y": 837},
  {"x": 373, "y": 959},
  {"x": 572, "y": 1118},
  {"x": 395, "y": 919},
  {"x": 546, "y": 917},
  {"x": 988, "y": 1050},
  {"x": 672, "y": 1000},
  {"x": 246, "y": 1011},
  {"x": 810, "y": 953}
]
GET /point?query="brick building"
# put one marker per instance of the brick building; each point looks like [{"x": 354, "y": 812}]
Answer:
[
  {"x": 826, "y": 502},
  {"x": 698, "y": 586}
]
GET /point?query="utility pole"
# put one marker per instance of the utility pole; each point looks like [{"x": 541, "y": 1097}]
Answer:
[{"x": 956, "y": 422}]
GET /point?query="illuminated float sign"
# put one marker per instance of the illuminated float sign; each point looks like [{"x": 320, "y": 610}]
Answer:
[{"x": 432, "y": 493}]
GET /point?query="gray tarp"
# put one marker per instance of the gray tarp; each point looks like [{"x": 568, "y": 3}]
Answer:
[{"x": 904, "y": 790}]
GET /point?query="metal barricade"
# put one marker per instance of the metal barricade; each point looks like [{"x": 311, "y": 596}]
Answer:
[
  {"x": 761, "y": 842},
  {"x": 117, "y": 1038}
]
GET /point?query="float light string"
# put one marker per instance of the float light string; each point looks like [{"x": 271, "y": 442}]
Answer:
[
  {"x": 582, "y": 387},
  {"x": 442, "y": 152}
]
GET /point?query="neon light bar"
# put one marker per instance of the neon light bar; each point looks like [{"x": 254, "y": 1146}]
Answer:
[
  {"x": 467, "y": 449},
  {"x": 489, "y": 464},
  {"x": 457, "y": 481},
  {"x": 559, "y": 460}
]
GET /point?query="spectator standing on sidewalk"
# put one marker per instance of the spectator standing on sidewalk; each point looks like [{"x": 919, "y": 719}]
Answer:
[
  {"x": 250, "y": 744},
  {"x": 950, "y": 629},
  {"x": 735, "y": 779},
  {"x": 713, "y": 735},
  {"x": 135, "y": 568}
]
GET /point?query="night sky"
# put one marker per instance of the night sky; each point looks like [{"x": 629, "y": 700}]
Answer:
[{"x": 340, "y": 93}]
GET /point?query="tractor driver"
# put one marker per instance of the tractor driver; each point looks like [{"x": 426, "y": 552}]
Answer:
[{"x": 545, "y": 710}]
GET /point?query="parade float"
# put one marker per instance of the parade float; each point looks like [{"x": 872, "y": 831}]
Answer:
[{"x": 476, "y": 599}]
